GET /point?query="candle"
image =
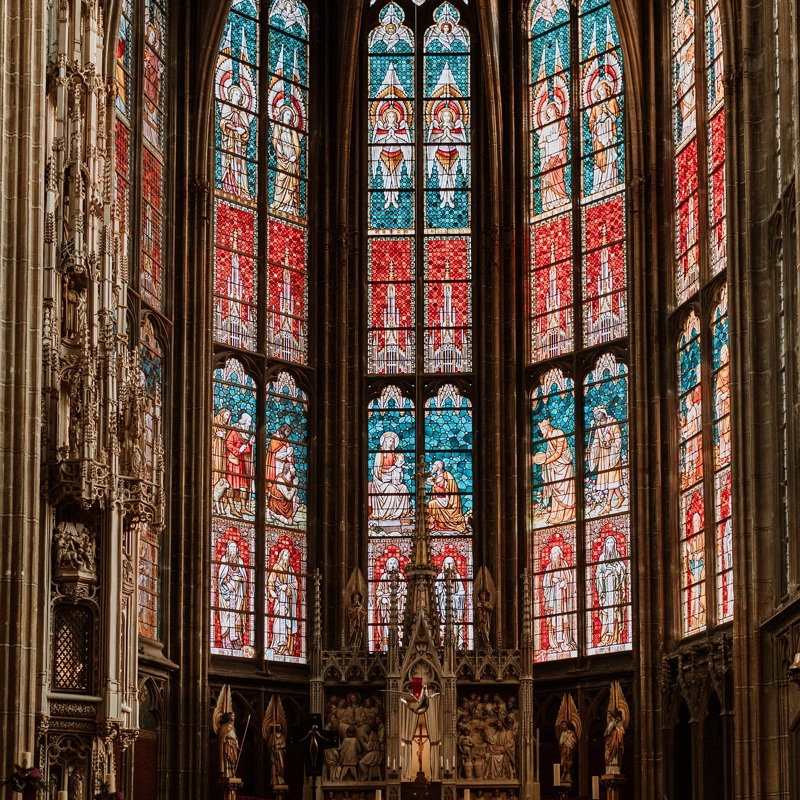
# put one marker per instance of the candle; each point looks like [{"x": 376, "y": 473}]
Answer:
[
  {"x": 447, "y": 765},
  {"x": 394, "y": 765},
  {"x": 63, "y": 795},
  {"x": 466, "y": 794},
  {"x": 110, "y": 781},
  {"x": 595, "y": 787},
  {"x": 377, "y": 794},
  {"x": 556, "y": 774},
  {"x": 25, "y": 760}
]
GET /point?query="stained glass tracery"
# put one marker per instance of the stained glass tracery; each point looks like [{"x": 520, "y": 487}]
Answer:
[
  {"x": 578, "y": 299},
  {"x": 269, "y": 265},
  {"x": 701, "y": 253},
  {"x": 419, "y": 272}
]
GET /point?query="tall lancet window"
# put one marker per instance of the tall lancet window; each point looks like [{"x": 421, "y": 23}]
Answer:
[
  {"x": 260, "y": 430},
  {"x": 703, "y": 461},
  {"x": 140, "y": 149},
  {"x": 419, "y": 271},
  {"x": 580, "y": 539}
]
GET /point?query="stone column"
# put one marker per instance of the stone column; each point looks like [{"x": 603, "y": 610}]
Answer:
[{"x": 22, "y": 78}]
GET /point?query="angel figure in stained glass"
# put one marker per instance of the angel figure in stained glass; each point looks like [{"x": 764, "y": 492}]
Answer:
[
  {"x": 605, "y": 458},
  {"x": 287, "y": 112},
  {"x": 235, "y": 119},
  {"x": 552, "y": 132},
  {"x": 446, "y": 30},
  {"x": 447, "y": 117},
  {"x": 546, "y": 10},
  {"x": 558, "y": 474},
  {"x": 444, "y": 507},
  {"x": 290, "y": 12},
  {"x": 685, "y": 64},
  {"x": 391, "y": 32},
  {"x": 722, "y": 407},
  {"x": 282, "y": 589},
  {"x": 558, "y": 601},
  {"x": 611, "y": 582},
  {"x": 153, "y": 74},
  {"x": 601, "y": 84},
  {"x": 391, "y": 115}
]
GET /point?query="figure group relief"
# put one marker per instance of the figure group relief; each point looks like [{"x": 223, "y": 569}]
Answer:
[
  {"x": 487, "y": 727},
  {"x": 359, "y": 718}
]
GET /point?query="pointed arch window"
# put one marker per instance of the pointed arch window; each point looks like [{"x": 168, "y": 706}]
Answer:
[
  {"x": 701, "y": 314},
  {"x": 140, "y": 134},
  {"x": 260, "y": 454},
  {"x": 579, "y": 546},
  {"x": 419, "y": 275}
]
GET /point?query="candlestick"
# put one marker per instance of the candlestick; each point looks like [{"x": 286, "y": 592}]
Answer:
[
  {"x": 110, "y": 781},
  {"x": 556, "y": 774},
  {"x": 447, "y": 765},
  {"x": 25, "y": 759},
  {"x": 595, "y": 787}
]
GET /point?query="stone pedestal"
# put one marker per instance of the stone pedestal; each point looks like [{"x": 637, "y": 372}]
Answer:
[
  {"x": 229, "y": 787},
  {"x": 612, "y": 784}
]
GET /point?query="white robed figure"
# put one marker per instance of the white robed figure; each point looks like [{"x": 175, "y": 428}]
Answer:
[
  {"x": 611, "y": 582},
  {"x": 389, "y": 495},
  {"x": 282, "y": 591},
  {"x": 232, "y": 586},
  {"x": 557, "y": 587},
  {"x": 383, "y": 598},
  {"x": 458, "y": 596}
]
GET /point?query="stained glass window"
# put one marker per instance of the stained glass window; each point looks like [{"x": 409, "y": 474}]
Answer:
[
  {"x": 419, "y": 273},
  {"x": 703, "y": 348},
  {"x": 578, "y": 300},
  {"x": 152, "y": 374},
  {"x": 139, "y": 149},
  {"x": 261, "y": 244},
  {"x": 260, "y": 486}
]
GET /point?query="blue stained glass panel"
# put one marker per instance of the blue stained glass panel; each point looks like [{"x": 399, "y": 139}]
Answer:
[
  {"x": 290, "y": 16},
  {"x": 553, "y": 447},
  {"x": 689, "y": 358},
  {"x": 448, "y": 461},
  {"x": 286, "y": 453},
  {"x": 598, "y": 31},
  {"x": 289, "y": 58},
  {"x": 240, "y": 39},
  {"x": 446, "y": 35},
  {"x": 548, "y": 14},
  {"x": 391, "y": 463}
]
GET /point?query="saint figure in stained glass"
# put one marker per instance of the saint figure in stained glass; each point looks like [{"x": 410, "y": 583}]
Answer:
[
  {"x": 445, "y": 512},
  {"x": 390, "y": 498},
  {"x": 232, "y": 579},
  {"x": 559, "y": 598},
  {"x": 551, "y": 112},
  {"x": 601, "y": 84},
  {"x": 558, "y": 474},
  {"x": 282, "y": 596}
]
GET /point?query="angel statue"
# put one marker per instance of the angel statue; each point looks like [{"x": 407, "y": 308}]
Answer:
[
  {"x": 226, "y": 733},
  {"x": 274, "y": 731},
  {"x": 568, "y": 731},
  {"x": 618, "y": 717}
]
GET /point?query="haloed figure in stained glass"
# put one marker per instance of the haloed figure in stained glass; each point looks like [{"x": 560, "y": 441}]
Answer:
[
  {"x": 558, "y": 474},
  {"x": 282, "y": 490},
  {"x": 232, "y": 587},
  {"x": 444, "y": 508},
  {"x": 239, "y": 457},
  {"x": 393, "y": 136},
  {"x": 601, "y": 83},
  {"x": 287, "y": 114},
  {"x": 605, "y": 458},
  {"x": 552, "y": 132},
  {"x": 458, "y": 596},
  {"x": 282, "y": 594},
  {"x": 611, "y": 582},
  {"x": 389, "y": 495},
  {"x": 559, "y": 600},
  {"x": 235, "y": 123}
]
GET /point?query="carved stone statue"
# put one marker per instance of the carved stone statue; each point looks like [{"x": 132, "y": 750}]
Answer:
[
  {"x": 483, "y": 620},
  {"x": 223, "y": 722},
  {"x": 356, "y": 622},
  {"x": 617, "y": 721},
  {"x": 568, "y": 731},
  {"x": 488, "y": 726},
  {"x": 274, "y": 731},
  {"x": 74, "y": 547},
  {"x": 360, "y": 724}
]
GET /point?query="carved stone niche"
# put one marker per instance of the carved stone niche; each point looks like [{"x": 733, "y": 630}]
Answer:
[
  {"x": 359, "y": 717},
  {"x": 74, "y": 553},
  {"x": 488, "y": 727}
]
